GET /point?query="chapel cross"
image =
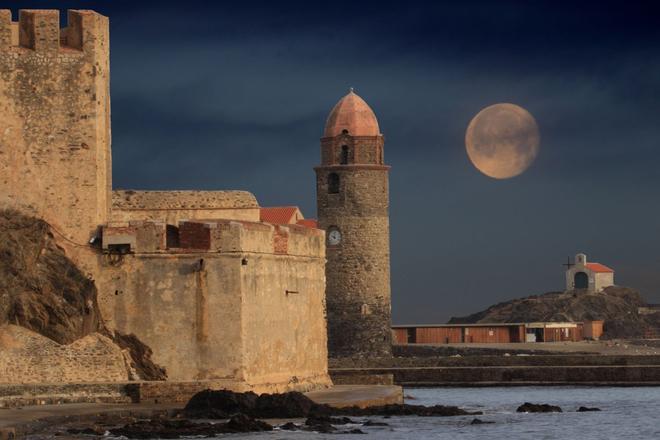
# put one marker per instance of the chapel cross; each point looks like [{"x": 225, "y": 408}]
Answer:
[{"x": 568, "y": 263}]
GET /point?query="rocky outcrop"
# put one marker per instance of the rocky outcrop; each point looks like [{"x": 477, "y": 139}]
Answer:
[
  {"x": 221, "y": 404},
  {"x": 617, "y": 306},
  {"x": 537, "y": 408},
  {"x": 42, "y": 290},
  {"x": 170, "y": 429},
  {"x": 481, "y": 422}
]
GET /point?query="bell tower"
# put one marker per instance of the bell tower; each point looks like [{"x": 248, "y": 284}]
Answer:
[{"x": 353, "y": 208}]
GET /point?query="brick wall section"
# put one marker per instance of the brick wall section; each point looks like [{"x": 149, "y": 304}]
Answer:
[
  {"x": 28, "y": 357},
  {"x": 195, "y": 235},
  {"x": 281, "y": 240}
]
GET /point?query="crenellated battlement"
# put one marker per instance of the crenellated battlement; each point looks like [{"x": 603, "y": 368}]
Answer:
[{"x": 39, "y": 30}]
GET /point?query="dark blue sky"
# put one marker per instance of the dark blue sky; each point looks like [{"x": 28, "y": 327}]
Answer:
[{"x": 234, "y": 96}]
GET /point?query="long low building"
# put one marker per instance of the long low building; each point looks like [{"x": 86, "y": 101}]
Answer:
[{"x": 497, "y": 332}]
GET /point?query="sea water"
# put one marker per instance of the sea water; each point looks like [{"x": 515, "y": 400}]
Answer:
[{"x": 626, "y": 413}]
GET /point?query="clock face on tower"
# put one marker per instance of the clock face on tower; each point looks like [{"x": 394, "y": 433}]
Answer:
[{"x": 334, "y": 236}]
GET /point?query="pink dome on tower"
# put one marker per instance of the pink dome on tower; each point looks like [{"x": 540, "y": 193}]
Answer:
[{"x": 354, "y": 115}]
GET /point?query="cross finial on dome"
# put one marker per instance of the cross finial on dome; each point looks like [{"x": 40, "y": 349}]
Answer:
[{"x": 350, "y": 90}]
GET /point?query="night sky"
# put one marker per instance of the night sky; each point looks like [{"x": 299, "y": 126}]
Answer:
[{"x": 235, "y": 95}]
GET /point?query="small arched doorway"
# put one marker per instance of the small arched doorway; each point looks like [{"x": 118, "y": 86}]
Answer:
[{"x": 581, "y": 280}]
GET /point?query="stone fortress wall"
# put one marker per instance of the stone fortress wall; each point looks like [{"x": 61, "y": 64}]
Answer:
[
  {"x": 55, "y": 127},
  {"x": 239, "y": 303},
  {"x": 214, "y": 293}
]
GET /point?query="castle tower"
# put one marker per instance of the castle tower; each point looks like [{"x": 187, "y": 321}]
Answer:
[
  {"x": 353, "y": 199},
  {"x": 55, "y": 119}
]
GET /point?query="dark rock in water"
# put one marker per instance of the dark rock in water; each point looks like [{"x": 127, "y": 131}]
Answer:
[
  {"x": 354, "y": 431},
  {"x": 171, "y": 429},
  {"x": 220, "y": 404},
  {"x": 537, "y": 408},
  {"x": 321, "y": 426},
  {"x": 373, "y": 423},
  {"x": 290, "y": 426},
  {"x": 317, "y": 420},
  {"x": 480, "y": 422},
  {"x": 284, "y": 406},
  {"x": 162, "y": 429},
  {"x": 587, "y": 409},
  {"x": 406, "y": 410},
  {"x": 243, "y": 423},
  {"x": 90, "y": 430}
]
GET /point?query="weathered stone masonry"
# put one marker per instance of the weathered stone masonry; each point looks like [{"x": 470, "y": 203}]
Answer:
[
  {"x": 352, "y": 198},
  {"x": 239, "y": 303},
  {"x": 55, "y": 127}
]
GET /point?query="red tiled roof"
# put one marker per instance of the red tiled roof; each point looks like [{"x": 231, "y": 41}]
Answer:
[
  {"x": 600, "y": 268},
  {"x": 279, "y": 215},
  {"x": 309, "y": 223}
]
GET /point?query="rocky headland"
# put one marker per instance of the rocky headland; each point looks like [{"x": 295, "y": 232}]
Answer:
[{"x": 619, "y": 308}]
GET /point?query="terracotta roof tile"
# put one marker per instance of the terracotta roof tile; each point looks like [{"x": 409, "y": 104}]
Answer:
[
  {"x": 309, "y": 223},
  {"x": 353, "y": 114},
  {"x": 278, "y": 215},
  {"x": 599, "y": 268}
]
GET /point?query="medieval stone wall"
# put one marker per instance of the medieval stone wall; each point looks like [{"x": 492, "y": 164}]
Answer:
[
  {"x": 241, "y": 306},
  {"x": 283, "y": 322},
  {"x": 55, "y": 127},
  {"x": 28, "y": 357}
]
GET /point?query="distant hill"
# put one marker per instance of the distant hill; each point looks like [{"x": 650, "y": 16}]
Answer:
[{"x": 617, "y": 306}]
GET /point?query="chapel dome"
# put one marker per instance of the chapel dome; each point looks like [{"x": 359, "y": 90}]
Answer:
[{"x": 354, "y": 115}]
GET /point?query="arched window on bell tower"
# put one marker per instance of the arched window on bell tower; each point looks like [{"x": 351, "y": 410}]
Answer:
[
  {"x": 344, "y": 155},
  {"x": 333, "y": 183}
]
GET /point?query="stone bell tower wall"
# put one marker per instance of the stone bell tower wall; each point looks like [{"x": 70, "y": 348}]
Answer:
[
  {"x": 55, "y": 126},
  {"x": 358, "y": 269}
]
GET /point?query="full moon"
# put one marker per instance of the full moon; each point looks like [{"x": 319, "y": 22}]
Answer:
[{"x": 502, "y": 140}]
